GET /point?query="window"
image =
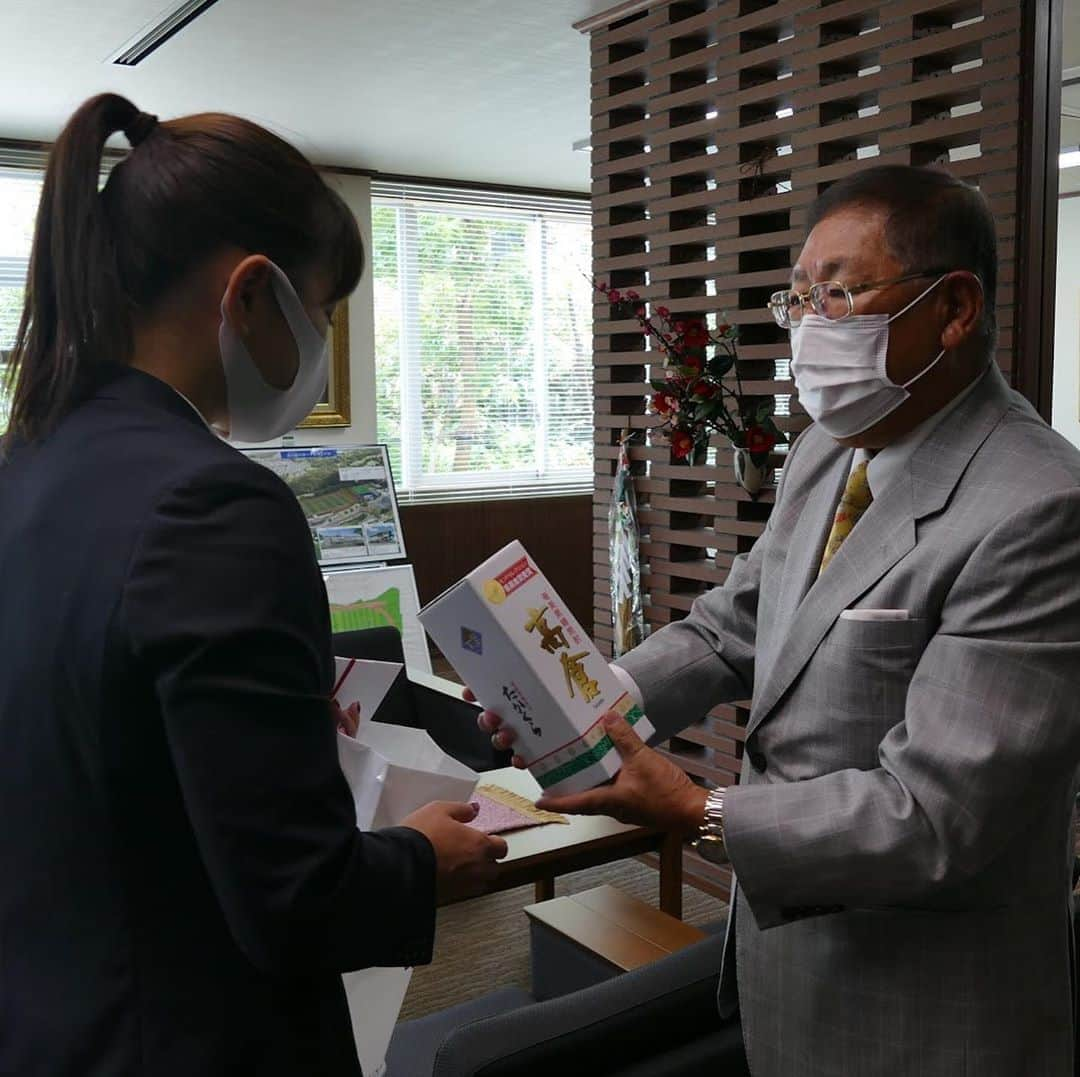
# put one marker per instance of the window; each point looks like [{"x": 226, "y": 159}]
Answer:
[
  {"x": 22, "y": 173},
  {"x": 483, "y": 337},
  {"x": 20, "y": 190}
]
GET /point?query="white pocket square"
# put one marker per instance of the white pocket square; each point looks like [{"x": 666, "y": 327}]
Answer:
[{"x": 874, "y": 615}]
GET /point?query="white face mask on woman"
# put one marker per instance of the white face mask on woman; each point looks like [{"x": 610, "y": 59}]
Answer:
[
  {"x": 258, "y": 411},
  {"x": 840, "y": 369}
]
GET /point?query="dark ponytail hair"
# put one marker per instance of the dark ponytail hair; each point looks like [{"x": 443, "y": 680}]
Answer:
[{"x": 189, "y": 188}]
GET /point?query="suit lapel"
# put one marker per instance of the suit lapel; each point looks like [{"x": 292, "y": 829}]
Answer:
[
  {"x": 812, "y": 531},
  {"x": 880, "y": 539},
  {"x": 938, "y": 464},
  {"x": 884, "y": 534},
  {"x": 809, "y": 531}
]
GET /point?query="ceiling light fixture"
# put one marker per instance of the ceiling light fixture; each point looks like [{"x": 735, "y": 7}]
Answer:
[{"x": 152, "y": 37}]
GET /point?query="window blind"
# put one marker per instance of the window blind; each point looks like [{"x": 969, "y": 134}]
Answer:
[
  {"x": 20, "y": 191},
  {"x": 483, "y": 312},
  {"x": 22, "y": 172}
]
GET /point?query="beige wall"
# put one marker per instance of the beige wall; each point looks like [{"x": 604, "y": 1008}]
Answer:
[{"x": 1066, "y": 397}]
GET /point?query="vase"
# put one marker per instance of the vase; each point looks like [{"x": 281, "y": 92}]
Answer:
[{"x": 750, "y": 475}]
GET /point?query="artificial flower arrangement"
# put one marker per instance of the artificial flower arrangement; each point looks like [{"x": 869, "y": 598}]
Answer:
[{"x": 692, "y": 395}]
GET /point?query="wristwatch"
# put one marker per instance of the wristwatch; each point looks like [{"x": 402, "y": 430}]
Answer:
[{"x": 710, "y": 839}]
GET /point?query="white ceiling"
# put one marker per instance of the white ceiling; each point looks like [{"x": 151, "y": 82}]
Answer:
[{"x": 482, "y": 90}]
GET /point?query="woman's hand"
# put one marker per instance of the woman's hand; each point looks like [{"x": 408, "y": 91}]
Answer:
[
  {"x": 502, "y": 739},
  {"x": 465, "y": 858},
  {"x": 648, "y": 791},
  {"x": 347, "y": 719}
]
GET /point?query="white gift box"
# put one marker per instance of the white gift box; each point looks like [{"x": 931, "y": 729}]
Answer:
[
  {"x": 513, "y": 641},
  {"x": 391, "y": 771}
]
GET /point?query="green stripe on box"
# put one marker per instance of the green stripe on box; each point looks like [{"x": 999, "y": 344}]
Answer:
[{"x": 587, "y": 758}]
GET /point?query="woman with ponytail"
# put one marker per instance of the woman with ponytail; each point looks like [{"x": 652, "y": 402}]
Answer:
[{"x": 182, "y": 879}]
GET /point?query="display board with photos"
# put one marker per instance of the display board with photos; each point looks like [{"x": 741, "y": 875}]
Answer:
[
  {"x": 347, "y": 494},
  {"x": 383, "y": 597}
]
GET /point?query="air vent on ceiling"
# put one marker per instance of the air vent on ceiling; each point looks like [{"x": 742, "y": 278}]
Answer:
[{"x": 152, "y": 37}]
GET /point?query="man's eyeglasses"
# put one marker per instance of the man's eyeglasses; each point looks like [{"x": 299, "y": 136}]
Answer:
[{"x": 830, "y": 299}]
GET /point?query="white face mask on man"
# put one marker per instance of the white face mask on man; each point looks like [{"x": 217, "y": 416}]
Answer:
[
  {"x": 840, "y": 371},
  {"x": 258, "y": 411}
]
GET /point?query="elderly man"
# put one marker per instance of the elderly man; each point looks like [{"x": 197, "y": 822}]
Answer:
[{"x": 908, "y": 627}]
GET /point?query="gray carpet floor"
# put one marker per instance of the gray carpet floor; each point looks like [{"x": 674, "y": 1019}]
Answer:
[{"x": 484, "y": 943}]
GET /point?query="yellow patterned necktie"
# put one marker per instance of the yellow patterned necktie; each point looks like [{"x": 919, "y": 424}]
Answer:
[{"x": 853, "y": 503}]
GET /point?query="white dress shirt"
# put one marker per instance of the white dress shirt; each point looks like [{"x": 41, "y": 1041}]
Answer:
[{"x": 628, "y": 683}]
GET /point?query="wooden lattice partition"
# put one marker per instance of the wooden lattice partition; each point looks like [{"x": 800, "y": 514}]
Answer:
[{"x": 714, "y": 125}]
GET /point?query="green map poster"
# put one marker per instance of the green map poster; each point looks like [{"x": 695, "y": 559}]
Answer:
[
  {"x": 380, "y": 612},
  {"x": 348, "y": 499},
  {"x": 378, "y": 598}
]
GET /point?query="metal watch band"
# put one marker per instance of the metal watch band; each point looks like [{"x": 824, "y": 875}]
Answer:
[{"x": 710, "y": 840}]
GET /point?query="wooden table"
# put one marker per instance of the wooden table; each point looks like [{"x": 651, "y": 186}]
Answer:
[{"x": 541, "y": 853}]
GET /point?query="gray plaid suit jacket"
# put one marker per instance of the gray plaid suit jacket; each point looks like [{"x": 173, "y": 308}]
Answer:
[{"x": 902, "y": 839}]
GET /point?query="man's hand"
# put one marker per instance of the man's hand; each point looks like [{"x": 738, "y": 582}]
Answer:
[
  {"x": 465, "y": 858},
  {"x": 648, "y": 791},
  {"x": 502, "y": 739}
]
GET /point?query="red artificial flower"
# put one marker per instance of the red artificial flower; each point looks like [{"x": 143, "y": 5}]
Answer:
[
  {"x": 614, "y": 296},
  {"x": 723, "y": 329},
  {"x": 601, "y": 286},
  {"x": 759, "y": 440},
  {"x": 633, "y": 296},
  {"x": 639, "y": 311},
  {"x": 695, "y": 362},
  {"x": 680, "y": 327},
  {"x": 705, "y": 389},
  {"x": 695, "y": 335},
  {"x": 681, "y": 444},
  {"x": 663, "y": 403},
  {"x": 663, "y": 311}
]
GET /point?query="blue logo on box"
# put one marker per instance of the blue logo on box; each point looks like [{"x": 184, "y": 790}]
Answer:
[{"x": 471, "y": 640}]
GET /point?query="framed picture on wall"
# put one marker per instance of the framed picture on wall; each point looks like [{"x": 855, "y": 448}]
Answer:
[
  {"x": 334, "y": 409},
  {"x": 380, "y": 598},
  {"x": 347, "y": 494}
]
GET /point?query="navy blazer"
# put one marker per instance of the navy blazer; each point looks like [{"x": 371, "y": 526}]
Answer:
[{"x": 181, "y": 878}]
